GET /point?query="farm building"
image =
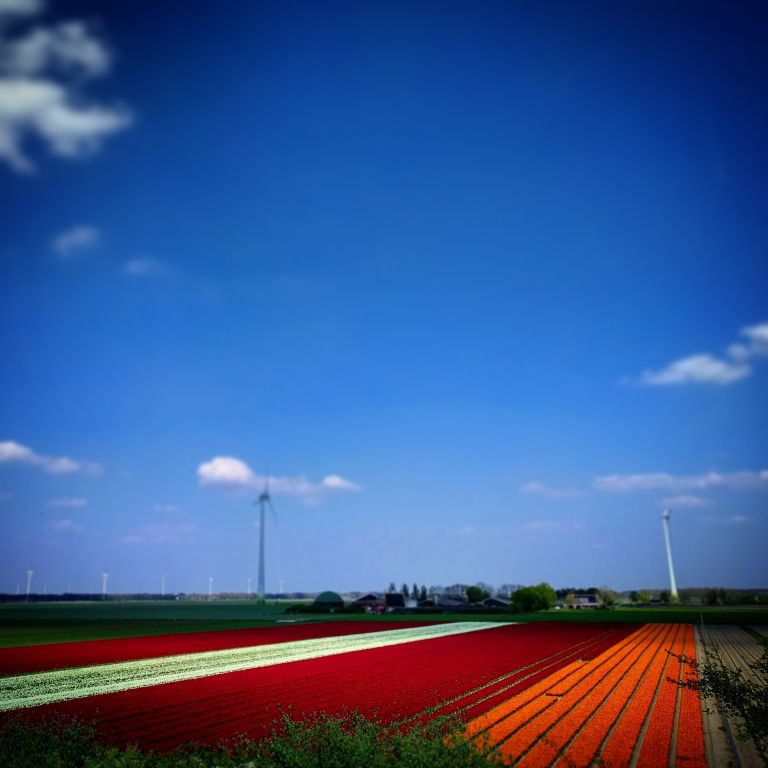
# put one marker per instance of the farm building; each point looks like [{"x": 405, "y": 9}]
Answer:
[
  {"x": 587, "y": 600},
  {"x": 329, "y": 600},
  {"x": 496, "y": 602}
]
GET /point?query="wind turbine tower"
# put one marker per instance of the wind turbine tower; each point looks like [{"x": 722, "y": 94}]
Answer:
[
  {"x": 104, "y": 577},
  {"x": 210, "y": 587},
  {"x": 249, "y": 580},
  {"x": 263, "y": 502},
  {"x": 30, "y": 574},
  {"x": 672, "y": 583}
]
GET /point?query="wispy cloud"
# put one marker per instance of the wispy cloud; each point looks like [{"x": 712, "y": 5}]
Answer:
[
  {"x": 705, "y": 368},
  {"x": 180, "y": 533},
  {"x": 677, "y": 502},
  {"x": 72, "y": 242},
  {"x": 664, "y": 481},
  {"x": 232, "y": 473},
  {"x": 737, "y": 519},
  {"x": 545, "y": 530},
  {"x": 548, "y": 492},
  {"x": 12, "y": 452},
  {"x": 146, "y": 267},
  {"x": 66, "y": 526},
  {"x": 43, "y": 73},
  {"x": 167, "y": 509},
  {"x": 68, "y": 503}
]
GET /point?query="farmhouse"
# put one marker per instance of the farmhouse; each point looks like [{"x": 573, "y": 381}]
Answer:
[{"x": 586, "y": 600}]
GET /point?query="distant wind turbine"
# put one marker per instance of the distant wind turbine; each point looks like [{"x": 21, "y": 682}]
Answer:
[
  {"x": 30, "y": 574},
  {"x": 249, "y": 580},
  {"x": 210, "y": 587},
  {"x": 264, "y": 501},
  {"x": 104, "y": 577},
  {"x": 672, "y": 583}
]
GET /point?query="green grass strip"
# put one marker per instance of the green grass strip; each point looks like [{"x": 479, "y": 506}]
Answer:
[{"x": 30, "y": 690}]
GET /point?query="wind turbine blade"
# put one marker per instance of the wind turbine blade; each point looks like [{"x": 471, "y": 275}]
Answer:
[{"x": 274, "y": 514}]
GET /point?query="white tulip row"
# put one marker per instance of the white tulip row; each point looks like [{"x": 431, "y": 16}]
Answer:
[{"x": 30, "y": 690}]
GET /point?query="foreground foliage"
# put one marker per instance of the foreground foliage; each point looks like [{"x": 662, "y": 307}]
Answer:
[
  {"x": 351, "y": 742},
  {"x": 740, "y": 697}
]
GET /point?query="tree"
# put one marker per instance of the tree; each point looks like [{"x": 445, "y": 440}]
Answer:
[
  {"x": 642, "y": 597},
  {"x": 476, "y": 594},
  {"x": 607, "y": 597},
  {"x": 404, "y": 590},
  {"x": 538, "y": 598},
  {"x": 415, "y": 591},
  {"x": 568, "y": 599},
  {"x": 664, "y": 596},
  {"x": 423, "y": 593},
  {"x": 739, "y": 697},
  {"x": 392, "y": 587}
]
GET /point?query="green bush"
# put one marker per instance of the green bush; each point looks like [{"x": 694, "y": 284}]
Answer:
[{"x": 320, "y": 742}]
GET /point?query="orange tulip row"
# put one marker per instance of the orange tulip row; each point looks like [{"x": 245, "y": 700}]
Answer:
[{"x": 605, "y": 709}]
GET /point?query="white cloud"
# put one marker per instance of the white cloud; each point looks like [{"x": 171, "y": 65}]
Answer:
[
  {"x": 42, "y": 72},
  {"x": 677, "y": 502},
  {"x": 73, "y": 241},
  {"x": 66, "y": 526},
  {"x": 697, "y": 369},
  {"x": 226, "y": 470},
  {"x": 737, "y": 519},
  {"x": 541, "y": 489},
  {"x": 13, "y": 452},
  {"x": 180, "y": 533},
  {"x": 337, "y": 483},
  {"x": 68, "y": 503},
  {"x": 705, "y": 368},
  {"x": 145, "y": 267},
  {"x": 232, "y": 473},
  {"x": 663, "y": 481}
]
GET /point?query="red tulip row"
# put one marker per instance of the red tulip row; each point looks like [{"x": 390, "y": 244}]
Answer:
[
  {"x": 38, "y": 658},
  {"x": 463, "y": 674}
]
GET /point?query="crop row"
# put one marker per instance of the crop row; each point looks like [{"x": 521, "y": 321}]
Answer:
[
  {"x": 463, "y": 673},
  {"x": 617, "y": 709},
  {"x": 59, "y": 685},
  {"x": 38, "y": 658}
]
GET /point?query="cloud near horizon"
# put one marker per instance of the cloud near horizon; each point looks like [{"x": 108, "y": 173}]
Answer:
[
  {"x": 663, "y": 481},
  {"x": 705, "y": 368},
  {"x": 536, "y": 488},
  {"x": 42, "y": 73},
  {"x": 233, "y": 473},
  {"x": 12, "y": 452}
]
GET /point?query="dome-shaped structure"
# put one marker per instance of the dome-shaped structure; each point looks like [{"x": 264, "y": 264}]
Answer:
[{"x": 330, "y": 600}]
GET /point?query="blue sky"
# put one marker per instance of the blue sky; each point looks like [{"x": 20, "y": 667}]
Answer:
[{"x": 482, "y": 286}]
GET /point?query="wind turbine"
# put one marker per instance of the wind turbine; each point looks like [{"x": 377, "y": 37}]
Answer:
[
  {"x": 263, "y": 502},
  {"x": 104, "y": 577},
  {"x": 210, "y": 587},
  {"x": 672, "y": 584},
  {"x": 30, "y": 574}
]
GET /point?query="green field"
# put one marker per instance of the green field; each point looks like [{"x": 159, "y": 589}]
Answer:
[{"x": 37, "y": 623}]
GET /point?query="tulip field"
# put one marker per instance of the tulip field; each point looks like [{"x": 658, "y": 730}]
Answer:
[{"x": 570, "y": 694}]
